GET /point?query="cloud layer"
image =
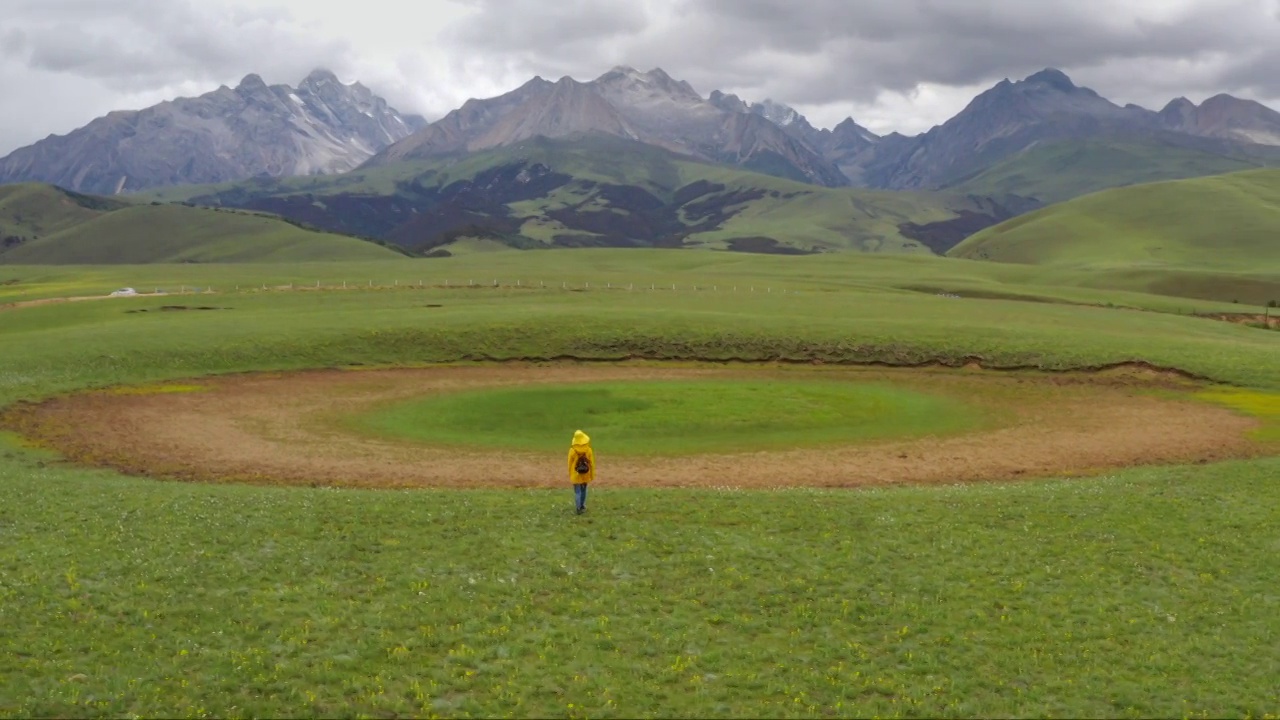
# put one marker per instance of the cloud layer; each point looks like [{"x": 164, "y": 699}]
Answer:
[{"x": 896, "y": 64}]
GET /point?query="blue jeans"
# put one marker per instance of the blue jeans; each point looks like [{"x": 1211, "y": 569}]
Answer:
[{"x": 580, "y": 496}]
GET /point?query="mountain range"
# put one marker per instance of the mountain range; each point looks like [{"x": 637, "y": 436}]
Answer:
[
  {"x": 321, "y": 126},
  {"x": 640, "y": 159}
]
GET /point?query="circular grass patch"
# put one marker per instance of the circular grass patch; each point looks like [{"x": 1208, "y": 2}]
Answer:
[{"x": 672, "y": 417}]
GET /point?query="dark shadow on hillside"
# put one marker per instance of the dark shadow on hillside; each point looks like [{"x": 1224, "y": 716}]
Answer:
[
  {"x": 422, "y": 218},
  {"x": 941, "y": 236}
]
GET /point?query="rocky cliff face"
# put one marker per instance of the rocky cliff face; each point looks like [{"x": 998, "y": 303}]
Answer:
[
  {"x": 650, "y": 107},
  {"x": 321, "y": 126},
  {"x": 1226, "y": 117}
]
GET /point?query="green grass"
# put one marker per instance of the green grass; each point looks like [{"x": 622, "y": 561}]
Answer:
[
  {"x": 176, "y": 233},
  {"x": 1225, "y": 222},
  {"x": 1179, "y": 290},
  {"x": 33, "y": 210},
  {"x": 1146, "y": 593},
  {"x": 673, "y": 417},
  {"x": 1061, "y": 171}
]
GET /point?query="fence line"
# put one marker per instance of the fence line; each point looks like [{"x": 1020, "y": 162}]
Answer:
[{"x": 471, "y": 284}]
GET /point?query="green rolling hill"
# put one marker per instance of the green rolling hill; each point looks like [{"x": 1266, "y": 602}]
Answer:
[
  {"x": 1060, "y": 171},
  {"x": 1212, "y": 237},
  {"x": 593, "y": 191},
  {"x": 45, "y": 225}
]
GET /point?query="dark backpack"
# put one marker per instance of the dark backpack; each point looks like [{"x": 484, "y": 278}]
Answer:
[{"x": 584, "y": 466}]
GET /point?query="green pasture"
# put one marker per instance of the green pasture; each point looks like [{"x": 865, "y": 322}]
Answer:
[
  {"x": 674, "y": 417},
  {"x": 1149, "y": 592},
  {"x": 1165, "y": 289},
  {"x": 104, "y": 341},
  {"x": 1220, "y": 222}
]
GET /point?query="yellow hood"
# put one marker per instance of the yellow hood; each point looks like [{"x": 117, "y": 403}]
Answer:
[{"x": 580, "y": 438}]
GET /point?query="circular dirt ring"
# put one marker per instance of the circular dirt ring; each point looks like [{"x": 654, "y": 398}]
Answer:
[{"x": 285, "y": 428}]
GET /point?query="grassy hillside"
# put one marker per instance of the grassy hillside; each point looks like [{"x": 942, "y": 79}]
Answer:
[
  {"x": 1224, "y": 222},
  {"x": 606, "y": 192},
  {"x": 53, "y": 227},
  {"x": 1060, "y": 171},
  {"x": 29, "y": 211}
]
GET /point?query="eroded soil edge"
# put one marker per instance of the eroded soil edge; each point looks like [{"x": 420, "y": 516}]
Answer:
[{"x": 276, "y": 428}]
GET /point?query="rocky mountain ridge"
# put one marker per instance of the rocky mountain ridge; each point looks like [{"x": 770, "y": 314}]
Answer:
[
  {"x": 651, "y": 107},
  {"x": 322, "y": 126},
  {"x": 325, "y": 127}
]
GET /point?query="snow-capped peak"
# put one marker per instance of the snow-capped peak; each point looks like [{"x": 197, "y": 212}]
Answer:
[{"x": 776, "y": 113}]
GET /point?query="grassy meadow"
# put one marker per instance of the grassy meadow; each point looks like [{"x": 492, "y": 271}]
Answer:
[
  {"x": 1148, "y": 592},
  {"x": 886, "y": 277},
  {"x": 674, "y": 417},
  {"x": 1224, "y": 221}
]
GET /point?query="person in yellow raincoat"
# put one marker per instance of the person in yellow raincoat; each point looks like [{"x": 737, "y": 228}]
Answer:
[{"x": 581, "y": 458}]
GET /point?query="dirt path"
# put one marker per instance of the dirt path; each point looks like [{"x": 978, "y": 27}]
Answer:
[
  {"x": 75, "y": 298},
  {"x": 278, "y": 429}
]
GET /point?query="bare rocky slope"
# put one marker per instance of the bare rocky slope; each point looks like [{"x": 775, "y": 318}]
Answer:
[
  {"x": 322, "y": 126},
  {"x": 649, "y": 107}
]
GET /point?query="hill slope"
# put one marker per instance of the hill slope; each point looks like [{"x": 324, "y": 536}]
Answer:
[
  {"x": 62, "y": 228},
  {"x": 600, "y": 191},
  {"x": 1225, "y": 222},
  {"x": 1059, "y": 171},
  {"x": 29, "y": 211}
]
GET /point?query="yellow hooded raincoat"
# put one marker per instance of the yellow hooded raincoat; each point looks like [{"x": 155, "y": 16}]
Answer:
[{"x": 581, "y": 446}]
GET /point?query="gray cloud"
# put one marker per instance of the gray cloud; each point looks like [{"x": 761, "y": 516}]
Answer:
[
  {"x": 892, "y": 64},
  {"x": 140, "y": 45},
  {"x": 839, "y": 51}
]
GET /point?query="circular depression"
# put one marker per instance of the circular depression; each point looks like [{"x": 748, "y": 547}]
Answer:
[{"x": 659, "y": 425}]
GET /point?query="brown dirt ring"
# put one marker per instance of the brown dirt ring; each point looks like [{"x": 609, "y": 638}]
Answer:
[{"x": 273, "y": 428}]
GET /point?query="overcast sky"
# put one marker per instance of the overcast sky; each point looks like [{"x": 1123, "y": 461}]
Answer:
[{"x": 902, "y": 65}]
